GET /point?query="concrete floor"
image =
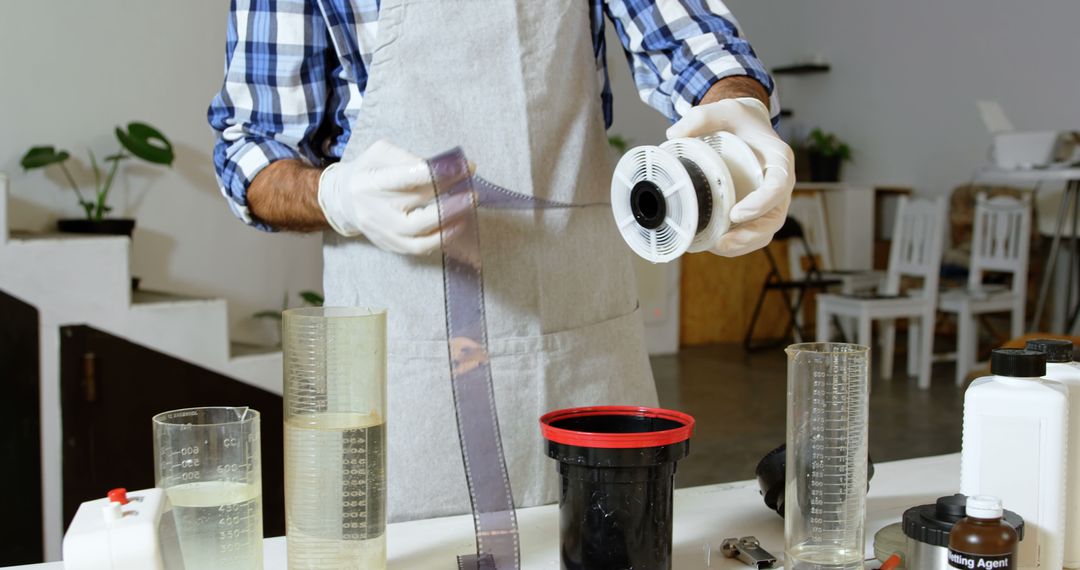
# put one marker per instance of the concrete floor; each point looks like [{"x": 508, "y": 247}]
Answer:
[{"x": 739, "y": 403}]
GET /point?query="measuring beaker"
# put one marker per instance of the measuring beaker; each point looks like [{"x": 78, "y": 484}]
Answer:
[
  {"x": 825, "y": 506},
  {"x": 335, "y": 437},
  {"x": 209, "y": 465}
]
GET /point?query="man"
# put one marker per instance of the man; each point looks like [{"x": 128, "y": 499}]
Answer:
[{"x": 522, "y": 87}]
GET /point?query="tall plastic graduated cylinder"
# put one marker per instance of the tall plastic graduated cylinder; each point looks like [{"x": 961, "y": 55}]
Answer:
[
  {"x": 335, "y": 438},
  {"x": 825, "y": 506}
]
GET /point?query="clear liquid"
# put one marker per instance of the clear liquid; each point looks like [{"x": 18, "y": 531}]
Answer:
[
  {"x": 814, "y": 557},
  {"x": 335, "y": 491},
  {"x": 219, "y": 524}
]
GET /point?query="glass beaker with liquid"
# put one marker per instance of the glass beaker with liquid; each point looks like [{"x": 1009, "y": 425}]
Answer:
[
  {"x": 825, "y": 507},
  {"x": 335, "y": 437},
  {"x": 208, "y": 463}
]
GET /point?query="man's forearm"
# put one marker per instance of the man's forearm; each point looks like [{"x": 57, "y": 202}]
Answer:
[
  {"x": 736, "y": 86},
  {"x": 285, "y": 195}
]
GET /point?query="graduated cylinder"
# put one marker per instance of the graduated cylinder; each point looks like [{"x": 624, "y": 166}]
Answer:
[
  {"x": 335, "y": 437},
  {"x": 825, "y": 507}
]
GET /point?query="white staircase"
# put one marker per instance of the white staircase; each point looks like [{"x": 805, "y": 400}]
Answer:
[{"x": 74, "y": 280}]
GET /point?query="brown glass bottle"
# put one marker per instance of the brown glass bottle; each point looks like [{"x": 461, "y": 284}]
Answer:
[{"x": 982, "y": 540}]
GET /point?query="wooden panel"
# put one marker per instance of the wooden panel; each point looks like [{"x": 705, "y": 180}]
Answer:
[
  {"x": 111, "y": 388},
  {"x": 20, "y": 436},
  {"x": 717, "y": 296}
]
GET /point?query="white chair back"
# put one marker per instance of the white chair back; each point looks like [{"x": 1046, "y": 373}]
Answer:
[
  {"x": 809, "y": 210},
  {"x": 1001, "y": 240},
  {"x": 917, "y": 244}
]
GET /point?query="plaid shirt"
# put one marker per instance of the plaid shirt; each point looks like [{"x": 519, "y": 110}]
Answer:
[{"x": 296, "y": 71}]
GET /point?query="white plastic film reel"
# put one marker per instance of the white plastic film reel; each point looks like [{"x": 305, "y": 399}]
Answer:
[
  {"x": 654, "y": 204},
  {"x": 677, "y": 197}
]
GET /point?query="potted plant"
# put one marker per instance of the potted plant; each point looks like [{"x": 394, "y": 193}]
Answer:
[
  {"x": 826, "y": 153},
  {"x": 140, "y": 140}
]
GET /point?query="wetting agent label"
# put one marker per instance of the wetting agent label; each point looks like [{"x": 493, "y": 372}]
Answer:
[{"x": 980, "y": 561}]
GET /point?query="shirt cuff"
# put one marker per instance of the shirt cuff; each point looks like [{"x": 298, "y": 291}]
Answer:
[
  {"x": 713, "y": 65},
  {"x": 240, "y": 163}
]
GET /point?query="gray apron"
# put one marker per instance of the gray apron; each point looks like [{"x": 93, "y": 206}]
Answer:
[{"x": 515, "y": 84}]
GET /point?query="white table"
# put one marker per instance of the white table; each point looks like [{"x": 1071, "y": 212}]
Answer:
[{"x": 703, "y": 515}]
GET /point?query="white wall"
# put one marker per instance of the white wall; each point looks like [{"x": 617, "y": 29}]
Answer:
[
  {"x": 906, "y": 76},
  {"x": 70, "y": 72}
]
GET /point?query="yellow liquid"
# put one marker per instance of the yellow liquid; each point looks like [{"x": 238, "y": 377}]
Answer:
[
  {"x": 335, "y": 491},
  {"x": 219, "y": 524}
]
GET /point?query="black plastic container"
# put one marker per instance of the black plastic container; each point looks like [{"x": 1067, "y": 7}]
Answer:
[{"x": 617, "y": 465}]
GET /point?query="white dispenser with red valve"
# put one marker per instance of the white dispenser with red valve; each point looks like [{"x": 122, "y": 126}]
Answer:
[{"x": 123, "y": 531}]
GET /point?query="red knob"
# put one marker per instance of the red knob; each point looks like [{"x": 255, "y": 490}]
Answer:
[{"x": 118, "y": 496}]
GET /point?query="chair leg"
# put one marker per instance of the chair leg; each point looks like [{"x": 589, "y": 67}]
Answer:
[
  {"x": 926, "y": 349},
  {"x": 748, "y": 341},
  {"x": 888, "y": 345},
  {"x": 823, "y": 323},
  {"x": 864, "y": 337},
  {"x": 1018, "y": 320},
  {"x": 800, "y": 322},
  {"x": 913, "y": 347},
  {"x": 967, "y": 344}
]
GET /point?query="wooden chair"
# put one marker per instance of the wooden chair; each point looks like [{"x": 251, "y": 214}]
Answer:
[
  {"x": 915, "y": 252},
  {"x": 1000, "y": 243}
]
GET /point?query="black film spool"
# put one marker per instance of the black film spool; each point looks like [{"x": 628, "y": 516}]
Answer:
[
  {"x": 702, "y": 191},
  {"x": 648, "y": 205}
]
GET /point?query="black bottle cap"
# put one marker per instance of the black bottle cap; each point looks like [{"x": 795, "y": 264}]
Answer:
[
  {"x": 930, "y": 524},
  {"x": 1018, "y": 363},
  {"x": 1055, "y": 350}
]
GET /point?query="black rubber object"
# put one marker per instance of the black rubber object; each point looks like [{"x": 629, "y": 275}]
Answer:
[
  {"x": 1017, "y": 363},
  {"x": 771, "y": 474},
  {"x": 1055, "y": 350},
  {"x": 615, "y": 505},
  {"x": 648, "y": 205},
  {"x": 930, "y": 524}
]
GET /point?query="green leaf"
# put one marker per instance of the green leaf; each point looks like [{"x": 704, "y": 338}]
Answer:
[
  {"x": 618, "y": 142},
  {"x": 40, "y": 156},
  {"x": 273, "y": 315},
  {"x": 147, "y": 143},
  {"x": 312, "y": 298},
  {"x": 116, "y": 157}
]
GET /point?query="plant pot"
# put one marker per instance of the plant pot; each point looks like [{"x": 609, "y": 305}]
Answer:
[
  {"x": 824, "y": 168},
  {"x": 108, "y": 226}
]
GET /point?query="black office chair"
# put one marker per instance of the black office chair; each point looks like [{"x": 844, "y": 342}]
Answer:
[{"x": 813, "y": 279}]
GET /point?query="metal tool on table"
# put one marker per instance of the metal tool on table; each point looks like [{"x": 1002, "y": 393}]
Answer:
[{"x": 749, "y": 551}]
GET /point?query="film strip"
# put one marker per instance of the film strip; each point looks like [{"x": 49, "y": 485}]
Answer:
[{"x": 459, "y": 194}]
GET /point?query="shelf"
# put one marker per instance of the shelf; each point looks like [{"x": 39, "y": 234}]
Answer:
[{"x": 802, "y": 69}]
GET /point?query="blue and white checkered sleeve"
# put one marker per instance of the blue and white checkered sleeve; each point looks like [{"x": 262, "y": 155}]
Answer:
[
  {"x": 274, "y": 94},
  {"x": 677, "y": 50}
]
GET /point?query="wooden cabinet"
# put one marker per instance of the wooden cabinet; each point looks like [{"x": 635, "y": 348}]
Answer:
[
  {"x": 110, "y": 390},
  {"x": 20, "y": 434}
]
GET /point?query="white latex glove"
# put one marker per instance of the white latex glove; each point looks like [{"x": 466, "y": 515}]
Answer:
[
  {"x": 759, "y": 214},
  {"x": 387, "y": 195}
]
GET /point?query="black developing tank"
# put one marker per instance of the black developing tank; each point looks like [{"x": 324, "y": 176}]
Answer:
[{"x": 617, "y": 469}]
